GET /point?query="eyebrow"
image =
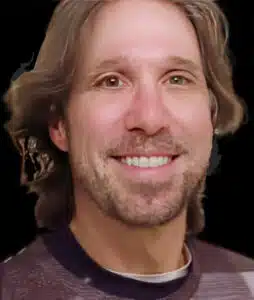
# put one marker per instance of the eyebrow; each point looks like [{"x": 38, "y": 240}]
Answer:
[{"x": 121, "y": 61}]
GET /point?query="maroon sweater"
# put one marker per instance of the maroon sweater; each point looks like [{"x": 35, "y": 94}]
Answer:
[{"x": 55, "y": 267}]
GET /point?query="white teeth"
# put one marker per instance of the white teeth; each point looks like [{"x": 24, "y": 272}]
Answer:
[{"x": 146, "y": 162}]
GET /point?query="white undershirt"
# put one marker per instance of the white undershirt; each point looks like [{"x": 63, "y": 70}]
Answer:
[{"x": 160, "y": 278}]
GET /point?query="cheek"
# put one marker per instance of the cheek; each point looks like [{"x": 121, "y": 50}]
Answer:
[
  {"x": 193, "y": 122},
  {"x": 199, "y": 123},
  {"x": 201, "y": 136},
  {"x": 193, "y": 119},
  {"x": 199, "y": 126},
  {"x": 95, "y": 122},
  {"x": 104, "y": 112}
]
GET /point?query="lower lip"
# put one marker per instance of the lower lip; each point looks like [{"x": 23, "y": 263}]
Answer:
[{"x": 156, "y": 173}]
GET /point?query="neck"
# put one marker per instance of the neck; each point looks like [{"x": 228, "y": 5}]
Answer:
[{"x": 114, "y": 245}]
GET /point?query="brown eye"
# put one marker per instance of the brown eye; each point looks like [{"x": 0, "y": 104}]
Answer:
[{"x": 112, "y": 82}]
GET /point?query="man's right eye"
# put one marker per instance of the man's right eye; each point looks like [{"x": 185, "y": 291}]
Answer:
[{"x": 111, "y": 81}]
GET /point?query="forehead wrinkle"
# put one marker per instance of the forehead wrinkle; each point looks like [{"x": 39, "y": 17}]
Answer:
[{"x": 123, "y": 61}]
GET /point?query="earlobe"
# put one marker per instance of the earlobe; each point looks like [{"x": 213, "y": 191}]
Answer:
[{"x": 58, "y": 136}]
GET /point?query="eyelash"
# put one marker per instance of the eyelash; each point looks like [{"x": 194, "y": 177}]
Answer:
[
  {"x": 179, "y": 73},
  {"x": 102, "y": 80},
  {"x": 117, "y": 77}
]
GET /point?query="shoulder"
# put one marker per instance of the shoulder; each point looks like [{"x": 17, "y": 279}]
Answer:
[
  {"x": 24, "y": 270},
  {"x": 219, "y": 259},
  {"x": 223, "y": 272},
  {"x": 26, "y": 259}
]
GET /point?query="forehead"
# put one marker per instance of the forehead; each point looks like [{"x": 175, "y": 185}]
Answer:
[{"x": 142, "y": 30}]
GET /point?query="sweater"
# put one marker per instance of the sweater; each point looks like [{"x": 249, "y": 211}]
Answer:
[{"x": 55, "y": 267}]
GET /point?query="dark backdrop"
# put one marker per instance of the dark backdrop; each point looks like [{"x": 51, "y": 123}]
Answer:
[{"x": 228, "y": 206}]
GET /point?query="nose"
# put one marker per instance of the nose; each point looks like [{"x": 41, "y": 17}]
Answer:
[{"x": 148, "y": 111}]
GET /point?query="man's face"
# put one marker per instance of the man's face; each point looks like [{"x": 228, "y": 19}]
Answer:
[{"x": 139, "y": 125}]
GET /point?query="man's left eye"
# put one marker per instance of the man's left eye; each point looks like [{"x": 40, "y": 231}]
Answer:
[{"x": 178, "y": 79}]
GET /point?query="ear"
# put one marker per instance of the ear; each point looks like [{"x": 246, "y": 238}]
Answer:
[{"x": 58, "y": 135}]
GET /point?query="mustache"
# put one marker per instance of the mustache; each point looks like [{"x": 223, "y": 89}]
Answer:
[{"x": 139, "y": 143}]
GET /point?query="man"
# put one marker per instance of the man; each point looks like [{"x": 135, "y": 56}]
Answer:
[{"x": 117, "y": 120}]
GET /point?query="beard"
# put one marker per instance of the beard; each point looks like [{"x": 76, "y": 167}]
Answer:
[{"x": 144, "y": 203}]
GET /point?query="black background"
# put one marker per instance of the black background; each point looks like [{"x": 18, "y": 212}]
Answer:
[{"x": 228, "y": 205}]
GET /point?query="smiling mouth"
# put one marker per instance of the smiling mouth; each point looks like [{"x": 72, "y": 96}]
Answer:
[{"x": 150, "y": 162}]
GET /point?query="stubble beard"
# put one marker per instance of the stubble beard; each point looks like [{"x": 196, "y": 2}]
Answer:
[{"x": 146, "y": 204}]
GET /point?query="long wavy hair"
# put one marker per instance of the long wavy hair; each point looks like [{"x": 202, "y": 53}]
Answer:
[{"x": 39, "y": 97}]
